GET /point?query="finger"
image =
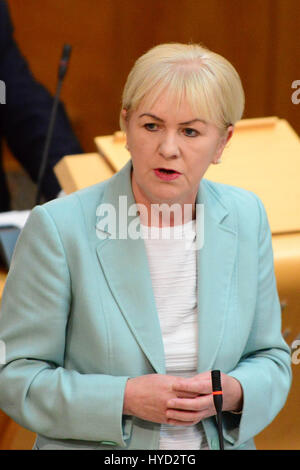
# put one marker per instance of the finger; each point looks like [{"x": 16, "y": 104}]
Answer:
[
  {"x": 184, "y": 416},
  {"x": 198, "y": 417},
  {"x": 196, "y": 384},
  {"x": 181, "y": 394},
  {"x": 186, "y": 388},
  {"x": 191, "y": 404}
]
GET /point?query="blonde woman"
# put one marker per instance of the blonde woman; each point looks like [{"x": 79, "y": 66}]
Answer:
[{"x": 110, "y": 339}]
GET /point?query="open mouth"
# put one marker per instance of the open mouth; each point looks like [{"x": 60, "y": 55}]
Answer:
[{"x": 167, "y": 172}]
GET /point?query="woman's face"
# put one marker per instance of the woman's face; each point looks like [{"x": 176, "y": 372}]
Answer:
[{"x": 165, "y": 137}]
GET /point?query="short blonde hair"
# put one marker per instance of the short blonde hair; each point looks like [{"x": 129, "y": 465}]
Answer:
[{"x": 207, "y": 80}]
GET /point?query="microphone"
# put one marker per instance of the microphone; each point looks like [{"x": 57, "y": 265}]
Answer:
[
  {"x": 62, "y": 69},
  {"x": 218, "y": 402},
  {"x": 64, "y": 61}
]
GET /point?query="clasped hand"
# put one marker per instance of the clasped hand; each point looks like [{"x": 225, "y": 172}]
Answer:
[{"x": 178, "y": 401}]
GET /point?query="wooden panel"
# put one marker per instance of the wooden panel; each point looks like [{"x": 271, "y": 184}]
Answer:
[
  {"x": 13, "y": 436},
  {"x": 76, "y": 172},
  {"x": 107, "y": 38},
  {"x": 112, "y": 147},
  {"x": 2, "y": 280},
  {"x": 283, "y": 433},
  {"x": 253, "y": 160},
  {"x": 286, "y": 57}
]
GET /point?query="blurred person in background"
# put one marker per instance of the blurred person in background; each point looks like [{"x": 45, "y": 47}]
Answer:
[{"x": 25, "y": 116}]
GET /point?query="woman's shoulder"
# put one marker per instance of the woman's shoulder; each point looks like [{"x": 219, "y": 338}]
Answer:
[
  {"x": 85, "y": 198},
  {"x": 232, "y": 194},
  {"x": 244, "y": 206},
  {"x": 74, "y": 210}
]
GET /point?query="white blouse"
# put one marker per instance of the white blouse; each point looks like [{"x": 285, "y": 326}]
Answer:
[{"x": 172, "y": 260}]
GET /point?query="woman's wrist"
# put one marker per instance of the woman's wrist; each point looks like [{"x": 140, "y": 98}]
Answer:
[
  {"x": 233, "y": 396},
  {"x": 127, "y": 398},
  {"x": 238, "y": 393}
]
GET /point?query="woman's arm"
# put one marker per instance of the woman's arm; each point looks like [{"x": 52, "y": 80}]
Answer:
[
  {"x": 35, "y": 388},
  {"x": 264, "y": 370}
]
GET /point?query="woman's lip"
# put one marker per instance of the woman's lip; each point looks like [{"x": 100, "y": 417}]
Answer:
[
  {"x": 166, "y": 176},
  {"x": 169, "y": 169}
]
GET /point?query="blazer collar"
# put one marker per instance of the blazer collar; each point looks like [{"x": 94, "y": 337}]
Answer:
[{"x": 125, "y": 265}]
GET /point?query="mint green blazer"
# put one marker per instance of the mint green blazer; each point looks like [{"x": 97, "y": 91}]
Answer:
[{"x": 78, "y": 318}]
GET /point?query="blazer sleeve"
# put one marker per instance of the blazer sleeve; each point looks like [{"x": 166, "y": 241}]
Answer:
[
  {"x": 25, "y": 116},
  {"x": 264, "y": 370},
  {"x": 35, "y": 388}
]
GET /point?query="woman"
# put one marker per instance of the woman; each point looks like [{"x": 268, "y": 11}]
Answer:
[{"x": 110, "y": 339}]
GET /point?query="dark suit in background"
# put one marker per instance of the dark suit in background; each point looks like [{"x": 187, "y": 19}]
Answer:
[{"x": 25, "y": 117}]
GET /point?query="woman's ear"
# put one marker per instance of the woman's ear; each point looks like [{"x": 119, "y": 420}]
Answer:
[
  {"x": 230, "y": 131},
  {"x": 124, "y": 114},
  {"x": 223, "y": 142}
]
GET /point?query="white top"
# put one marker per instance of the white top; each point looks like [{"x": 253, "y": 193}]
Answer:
[{"x": 172, "y": 260}]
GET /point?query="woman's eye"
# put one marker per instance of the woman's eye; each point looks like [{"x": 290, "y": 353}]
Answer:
[
  {"x": 190, "y": 132},
  {"x": 150, "y": 126}
]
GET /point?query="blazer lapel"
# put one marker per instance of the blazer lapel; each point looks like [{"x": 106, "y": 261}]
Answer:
[
  {"x": 215, "y": 263},
  {"x": 125, "y": 266}
]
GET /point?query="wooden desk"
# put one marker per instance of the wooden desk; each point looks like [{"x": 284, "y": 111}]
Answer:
[
  {"x": 2, "y": 280},
  {"x": 13, "y": 436}
]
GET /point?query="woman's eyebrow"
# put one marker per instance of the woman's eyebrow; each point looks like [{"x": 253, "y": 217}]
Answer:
[
  {"x": 152, "y": 116},
  {"x": 180, "y": 123},
  {"x": 193, "y": 120}
]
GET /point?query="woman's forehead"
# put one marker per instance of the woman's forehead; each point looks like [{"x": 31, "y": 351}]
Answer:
[{"x": 167, "y": 104}]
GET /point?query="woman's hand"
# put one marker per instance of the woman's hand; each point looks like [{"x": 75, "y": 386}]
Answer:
[
  {"x": 184, "y": 410},
  {"x": 147, "y": 396},
  {"x": 176, "y": 400}
]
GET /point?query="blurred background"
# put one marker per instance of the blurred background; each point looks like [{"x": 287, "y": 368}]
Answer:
[{"x": 260, "y": 38}]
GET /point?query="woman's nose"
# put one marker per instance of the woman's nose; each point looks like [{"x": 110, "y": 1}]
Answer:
[{"x": 169, "y": 146}]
